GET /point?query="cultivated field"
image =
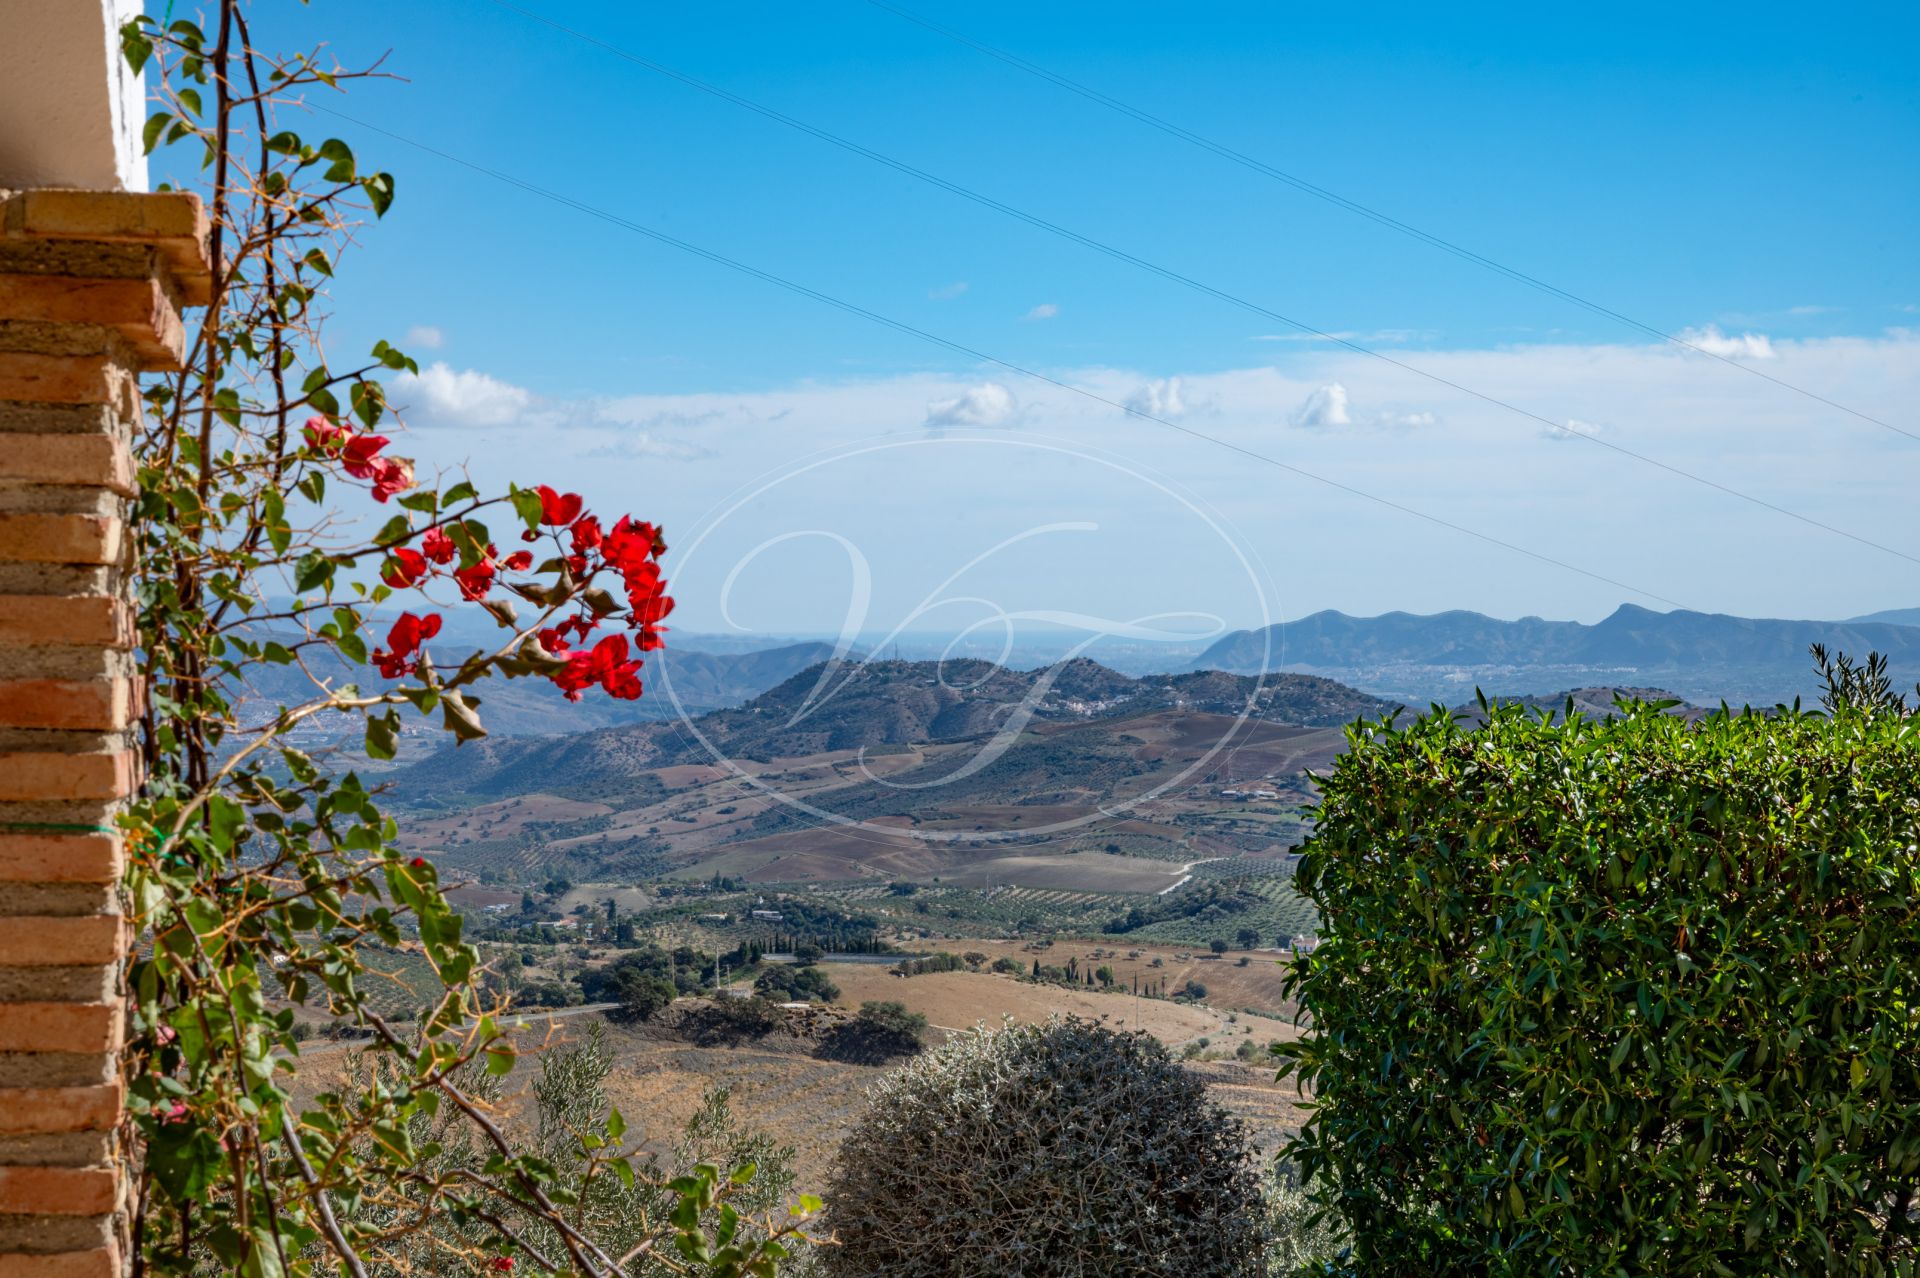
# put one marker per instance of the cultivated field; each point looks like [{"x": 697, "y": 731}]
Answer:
[{"x": 1230, "y": 987}]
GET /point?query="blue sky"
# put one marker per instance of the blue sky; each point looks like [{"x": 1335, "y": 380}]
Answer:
[{"x": 1747, "y": 175}]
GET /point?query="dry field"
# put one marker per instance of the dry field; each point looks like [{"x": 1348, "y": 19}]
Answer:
[
  {"x": 779, "y": 1088},
  {"x": 500, "y": 819},
  {"x": 1256, "y": 986},
  {"x": 961, "y": 1000}
]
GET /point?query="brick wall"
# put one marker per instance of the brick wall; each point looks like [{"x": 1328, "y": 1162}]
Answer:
[{"x": 91, "y": 291}]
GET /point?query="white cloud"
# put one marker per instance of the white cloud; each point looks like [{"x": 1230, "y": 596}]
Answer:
[
  {"x": 444, "y": 396},
  {"x": 1330, "y": 407},
  {"x": 1745, "y": 346},
  {"x": 1326, "y": 408},
  {"x": 632, "y": 445},
  {"x": 1159, "y": 398},
  {"x": 947, "y": 292},
  {"x": 427, "y": 336},
  {"x": 1044, "y": 311},
  {"x": 1811, "y": 310},
  {"x": 1572, "y": 430},
  {"x": 988, "y": 404},
  {"x": 1588, "y": 506}
]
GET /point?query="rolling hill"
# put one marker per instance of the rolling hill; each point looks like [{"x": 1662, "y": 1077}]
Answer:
[{"x": 856, "y": 706}]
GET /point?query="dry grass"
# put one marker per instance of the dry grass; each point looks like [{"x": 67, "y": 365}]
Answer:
[{"x": 1257, "y": 986}]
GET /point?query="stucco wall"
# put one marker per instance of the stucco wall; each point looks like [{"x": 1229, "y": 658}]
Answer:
[{"x": 70, "y": 110}]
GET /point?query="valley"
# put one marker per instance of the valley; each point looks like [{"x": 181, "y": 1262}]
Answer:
[{"x": 968, "y": 842}]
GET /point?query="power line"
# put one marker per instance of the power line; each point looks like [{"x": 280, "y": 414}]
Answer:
[
  {"x": 1375, "y": 215},
  {"x": 1187, "y": 281},
  {"x": 900, "y": 326}
]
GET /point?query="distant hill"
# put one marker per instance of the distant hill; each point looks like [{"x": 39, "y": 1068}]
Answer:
[
  {"x": 699, "y": 681},
  {"x": 876, "y": 703},
  {"x": 1594, "y": 703},
  {"x": 849, "y": 706},
  {"x": 1891, "y": 617},
  {"x": 1705, "y": 657}
]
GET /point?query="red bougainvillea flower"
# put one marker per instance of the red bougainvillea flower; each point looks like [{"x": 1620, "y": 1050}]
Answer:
[
  {"x": 418, "y": 863},
  {"x": 586, "y": 534},
  {"x": 390, "y": 475},
  {"x": 628, "y": 545},
  {"x": 360, "y": 453},
  {"x": 322, "y": 434},
  {"x": 503, "y": 1264},
  {"x": 360, "y": 456},
  {"x": 403, "y": 641},
  {"x": 437, "y": 546},
  {"x": 608, "y": 665},
  {"x": 476, "y": 580},
  {"x": 403, "y": 568},
  {"x": 558, "y": 508},
  {"x": 519, "y": 561}
]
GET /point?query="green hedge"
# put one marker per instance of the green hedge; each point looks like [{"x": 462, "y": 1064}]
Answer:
[{"x": 1628, "y": 996}]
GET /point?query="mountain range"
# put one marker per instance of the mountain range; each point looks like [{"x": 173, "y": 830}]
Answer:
[
  {"x": 880, "y": 705},
  {"x": 1706, "y": 657}
]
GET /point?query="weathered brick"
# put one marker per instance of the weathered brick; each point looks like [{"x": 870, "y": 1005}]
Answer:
[
  {"x": 86, "y": 461},
  {"x": 97, "y": 621},
  {"x": 102, "y": 704},
  {"x": 67, "y": 379},
  {"x": 59, "y": 1109},
  {"x": 58, "y": 1191},
  {"x": 27, "y": 941},
  {"x": 28, "y": 777},
  {"x": 60, "y": 858},
  {"x": 99, "y": 1262},
  {"x": 173, "y": 223},
  {"x": 60, "y": 1027},
  {"x": 61, "y": 539},
  {"x": 138, "y": 308},
  {"x": 106, "y": 215}
]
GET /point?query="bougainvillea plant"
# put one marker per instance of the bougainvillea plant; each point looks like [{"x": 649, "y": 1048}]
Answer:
[{"x": 259, "y": 871}]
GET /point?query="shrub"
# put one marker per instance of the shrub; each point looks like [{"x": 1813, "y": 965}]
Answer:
[
  {"x": 1064, "y": 1149},
  {"x": 729, "y": 1020},
  {"x": 640, "y": 996},
  {"x": 941, "y": 962},
  {"x": 546, "y": 994},
  {"x": 1008, "y": 966},
  {"x": 1299, "y": 1237},
  {"x": 881, "y": 1031},
  {"x": 793, "y": 984},
  {"x": 1632, "y": 995}
]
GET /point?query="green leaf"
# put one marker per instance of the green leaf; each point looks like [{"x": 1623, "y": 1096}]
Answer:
[
  {"x": 135, "y": 47},
  {"x": 383, "y": 734},
  {"x": 313, "y": 571},
  {"x": 341, "y": 168},
  {"x": 150, "y": 135},
  {"x": 379, "y": 189}
]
